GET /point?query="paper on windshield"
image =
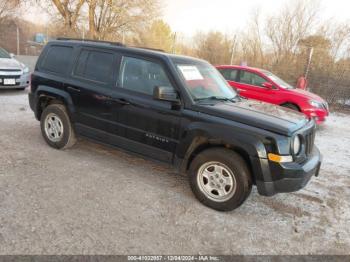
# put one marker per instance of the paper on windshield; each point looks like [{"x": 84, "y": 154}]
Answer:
[{"x": 190, "y": 72}]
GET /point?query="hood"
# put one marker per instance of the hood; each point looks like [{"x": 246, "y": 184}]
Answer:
[
  {"x": 306, "y": 94},
  {"x": 9, "y": 63},
  {"x": 270, "y": 117}
]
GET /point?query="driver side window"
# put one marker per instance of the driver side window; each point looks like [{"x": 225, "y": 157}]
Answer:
[
  {"x": 252, "y": 79},
  {"x": 141, "y": 75}
]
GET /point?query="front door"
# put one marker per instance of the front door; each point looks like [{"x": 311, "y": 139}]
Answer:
[
  {"x": 251, "y": 86},
  {"x": 149, "y": 127}
]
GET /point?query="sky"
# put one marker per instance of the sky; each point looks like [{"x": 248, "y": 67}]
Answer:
[
  {"x": 187, "y": 17},
  {"x": 191, "y": 16}
]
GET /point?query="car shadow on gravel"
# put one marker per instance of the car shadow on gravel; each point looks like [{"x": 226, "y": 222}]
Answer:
[
  {"x": 12, "y": 92},
  {"x": 166, "y": 178},
  {"x": 157, "y": 171}
]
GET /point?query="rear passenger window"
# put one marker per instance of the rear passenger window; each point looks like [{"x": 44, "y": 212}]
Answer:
[
  {"x": 141, "y": 75},
  {"x": 95, "y": 66},
  {"x": 57, "y": 59},
  {"x": 229, "y": 74}
]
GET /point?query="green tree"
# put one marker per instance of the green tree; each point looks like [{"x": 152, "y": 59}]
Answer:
[
  {"x": 214, "y": 47},
  {"x": 158, "y": 35}
]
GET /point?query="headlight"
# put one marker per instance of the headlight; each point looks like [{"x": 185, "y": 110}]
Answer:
[
  {"x": 26, "y": 70},
  {"x": 296, "y": 145},
  {"x": 315, "y": 104}
]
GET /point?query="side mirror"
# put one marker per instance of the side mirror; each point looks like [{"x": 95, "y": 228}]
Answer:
[
  {"x": 165, "y": 93},
  {"x": 12, "y": 55},
  {"x": 267, "y": 85}
]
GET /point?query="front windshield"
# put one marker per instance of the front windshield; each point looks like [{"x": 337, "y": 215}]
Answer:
[
  {"x": 4, "y": 54},
  {"x": 278, "y": 80},
  {"x": 203, "y": 81}
]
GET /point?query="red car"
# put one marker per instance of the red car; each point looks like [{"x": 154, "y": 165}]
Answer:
[{"x": 259, "y": 84}]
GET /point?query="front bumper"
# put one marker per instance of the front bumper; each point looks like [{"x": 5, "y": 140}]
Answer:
[
  {"x": 22, "y": 81},
  {"x": 289, "y": 177},
  {"x": 319, "y": 115}
]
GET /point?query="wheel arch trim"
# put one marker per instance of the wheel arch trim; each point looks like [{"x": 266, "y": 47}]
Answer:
[{"x": 44, "y": 91}]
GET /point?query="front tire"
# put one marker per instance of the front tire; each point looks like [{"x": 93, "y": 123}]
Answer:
[
  {"x": 56, "y": 127},
  {"x": 220, "y": 179}
]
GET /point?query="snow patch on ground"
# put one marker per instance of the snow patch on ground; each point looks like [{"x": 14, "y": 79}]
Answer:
[{"x": 97, "y": 200}]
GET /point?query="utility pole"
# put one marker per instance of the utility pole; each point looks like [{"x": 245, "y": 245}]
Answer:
[
  {"x": 47, "y": 34},
  {"x": 308, "y": 64},
  {"x": 17, "y": 40},
  {"x": 233, "y": 50},
  {"x": 174, "y": 44}
]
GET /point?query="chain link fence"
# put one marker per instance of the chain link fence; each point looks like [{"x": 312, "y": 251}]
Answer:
[{"x": 326, "y": 76}]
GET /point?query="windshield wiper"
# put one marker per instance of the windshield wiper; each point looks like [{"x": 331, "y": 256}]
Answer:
[{"x": 217, "y": 98}]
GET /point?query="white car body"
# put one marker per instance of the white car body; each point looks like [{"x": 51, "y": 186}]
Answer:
[{"x": 13, "y": 74}]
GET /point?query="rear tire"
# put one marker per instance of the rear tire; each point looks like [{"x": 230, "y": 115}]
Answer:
[
  {"x": 291, "y": 106},
  {"x": 56, "y": 127},
  {"x": 220, "y": 179}
]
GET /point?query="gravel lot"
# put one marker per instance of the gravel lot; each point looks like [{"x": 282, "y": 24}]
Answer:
[{"x": 93, "y": 199}]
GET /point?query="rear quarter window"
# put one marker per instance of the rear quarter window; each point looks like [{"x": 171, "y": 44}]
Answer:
[
  {"x": 57, "y": 59},
  {"x": 95, "y": 66}
]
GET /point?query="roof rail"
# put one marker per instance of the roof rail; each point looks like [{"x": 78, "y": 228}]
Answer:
[
  {"x": 89, "y": 40},
  {"x": 148, "y": 48}
]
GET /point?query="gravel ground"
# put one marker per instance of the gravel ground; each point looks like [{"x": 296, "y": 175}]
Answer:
[{"x": 92, "y": 199}]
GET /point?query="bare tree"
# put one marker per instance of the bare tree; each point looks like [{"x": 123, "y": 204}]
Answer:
[
  {"x": 293, "y": 23},
  {"x": 109, "y": 19},
  {"x": 339, "y": 35},
  {"x": 69, "y": 11},
  {"x": 251, "y": 44},
  {"x": 8, "y": 8}
]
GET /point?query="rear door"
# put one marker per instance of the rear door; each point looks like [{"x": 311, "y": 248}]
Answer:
[
  {"x": 231, "y": 75},
  {"x": 90, "y": 87},
  {"x": 146, "y": 126}
]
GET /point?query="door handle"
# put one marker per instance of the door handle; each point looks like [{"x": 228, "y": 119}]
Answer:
[
  {"x": 120, "y": 101},
  {"x": 75, "y": 89}
]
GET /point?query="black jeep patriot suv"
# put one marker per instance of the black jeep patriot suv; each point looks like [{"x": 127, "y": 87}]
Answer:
[{"x": 175, "y": 109}]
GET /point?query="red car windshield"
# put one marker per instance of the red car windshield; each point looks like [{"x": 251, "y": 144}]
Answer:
[{"x": 204, "y": 81}]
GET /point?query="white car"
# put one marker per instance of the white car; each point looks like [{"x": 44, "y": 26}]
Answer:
[{"x": 13, "y": 74}]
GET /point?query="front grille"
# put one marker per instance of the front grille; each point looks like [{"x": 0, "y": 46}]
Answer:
[
  {"x": 10, "y": 70},
  {"x": 10, "y": 73},
  {"x": 10, "y": 76},
  {"x": 16, "y": 77},
  {"x": 309, "y": 141}
]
